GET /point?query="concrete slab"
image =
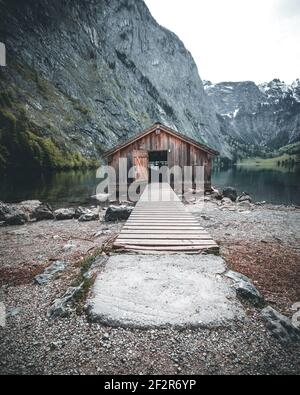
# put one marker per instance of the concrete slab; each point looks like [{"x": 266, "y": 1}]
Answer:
[{"x": 148, "y": 291}]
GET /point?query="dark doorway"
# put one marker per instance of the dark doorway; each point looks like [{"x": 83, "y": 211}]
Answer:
[
  {"x": 158, "y": 156},
  {"x": 157, "y": 160}
]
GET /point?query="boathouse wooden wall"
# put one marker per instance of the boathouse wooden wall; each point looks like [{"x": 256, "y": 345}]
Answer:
[{"x": 180, "y": 153}]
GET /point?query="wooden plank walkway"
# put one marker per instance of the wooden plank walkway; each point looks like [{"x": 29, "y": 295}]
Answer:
[{"x": 160, "y": 222}]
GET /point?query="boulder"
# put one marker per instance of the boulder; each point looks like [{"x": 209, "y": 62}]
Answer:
[
  {"x": 4, "y": 211},
  {"x": 11, "y": 215},
  {"x": 16, "y": 218},
  {"x": 64, "y": 214},
  {"x": 281, "y": 327},
  {"x": 230, "y": 193},
  {"x": 244, "y": 197},
  {"x": 117, "y": 213},
  {"x": 29, "y": 207},
  {"x": 50, "y": 273},
  {"x": 19, "y": 214},
  {"x": 43, "y": 212},
  {"x": 246, "y": 291}
]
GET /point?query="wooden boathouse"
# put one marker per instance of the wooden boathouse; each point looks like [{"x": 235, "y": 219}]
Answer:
[{"x": 161, "y": 146}]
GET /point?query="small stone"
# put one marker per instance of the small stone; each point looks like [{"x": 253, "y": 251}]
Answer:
[
  {"x": 89, "y": 217},
  {"x": 13, "y": 312},
  {"x": 245, "y": 205},
  {"x": 244, "y": 197},
  {"x": 54, "y": 345},
  {"x": 50, "y": 273},
  {"x": 105, "y": 337},
  {"x": 99, "y": 234},
  {"x": 237, "y": 276},
  {"x": 59, "y": 306},
  {"x": 68, "y": 247},
  {"x": 216, "y": 194},
  {"x": 261, "y": 203},
  {"x": 81, "y": 211},
  {"x": 226, "y": 201}
]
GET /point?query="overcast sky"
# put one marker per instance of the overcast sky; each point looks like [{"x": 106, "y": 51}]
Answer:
[{"x": 236, "y": 40}]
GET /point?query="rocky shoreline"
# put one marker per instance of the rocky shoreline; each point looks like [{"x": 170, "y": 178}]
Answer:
[
  {"x": 35, "y": 211},
  {"x": 259, "y": 241}
]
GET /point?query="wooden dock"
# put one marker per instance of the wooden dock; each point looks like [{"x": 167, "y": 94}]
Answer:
[{"x": 161, "y": 223}]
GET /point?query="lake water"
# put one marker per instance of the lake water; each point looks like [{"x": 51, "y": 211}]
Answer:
[
  {"x": 74, "y": 188},
  {"x": 61, "y": 189},
  {"x": 270, "y": 185}
]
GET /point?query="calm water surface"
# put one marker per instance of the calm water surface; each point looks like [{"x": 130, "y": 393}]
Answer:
[
  {"x": 61, "y": 189},
  {"x": 270, "y": 185},
  {"x": 74, "y": 188}
]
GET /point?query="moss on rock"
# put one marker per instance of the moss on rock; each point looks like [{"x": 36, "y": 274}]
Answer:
[{"x": 21, "y": 147}]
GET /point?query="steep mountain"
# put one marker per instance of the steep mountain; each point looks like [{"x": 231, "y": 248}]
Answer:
[
  {"x": 83, "y": 75},
  {"x": 265, "y": 115}
]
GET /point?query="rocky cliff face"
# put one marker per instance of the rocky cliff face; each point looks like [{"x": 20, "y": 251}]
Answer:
[
  {"x": 87, "y": 74},
  {"x": 265, "y": 115}
]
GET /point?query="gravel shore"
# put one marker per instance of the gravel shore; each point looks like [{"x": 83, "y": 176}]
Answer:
[{"x": 261, "y": 242}]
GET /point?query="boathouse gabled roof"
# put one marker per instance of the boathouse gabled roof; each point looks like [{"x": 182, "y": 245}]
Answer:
[{"x": 165, "y": 129}]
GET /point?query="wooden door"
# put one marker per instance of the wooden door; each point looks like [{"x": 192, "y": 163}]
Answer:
[{"x": 141, "y": 163}]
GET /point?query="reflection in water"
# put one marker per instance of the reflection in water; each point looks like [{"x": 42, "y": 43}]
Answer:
[
  {"x": 75, "y": 187},
  {"x": 59, "y": 189},
  {"x": 272, "y": 186}
]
